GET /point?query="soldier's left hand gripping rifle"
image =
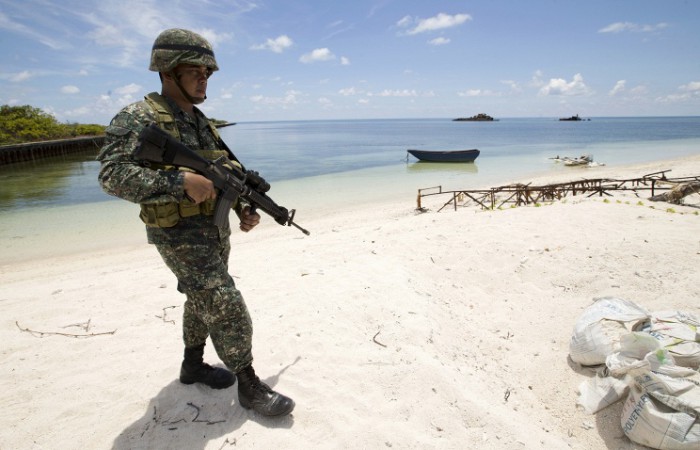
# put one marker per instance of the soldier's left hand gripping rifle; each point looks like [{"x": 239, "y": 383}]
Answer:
[{"x": 157, "y": 146}]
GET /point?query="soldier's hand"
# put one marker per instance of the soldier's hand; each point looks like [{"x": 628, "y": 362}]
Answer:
[
  {"x": 248, "y": 219},
  {"x": 198, "y": 188}
]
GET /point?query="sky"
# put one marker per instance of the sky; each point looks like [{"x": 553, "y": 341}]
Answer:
[{"x": 83, "y": 60}]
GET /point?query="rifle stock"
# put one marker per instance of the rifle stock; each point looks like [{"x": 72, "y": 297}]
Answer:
[{"x": 157, "y": 146}]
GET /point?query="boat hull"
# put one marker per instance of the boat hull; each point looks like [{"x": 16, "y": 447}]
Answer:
[{"x": 445, "y": 155}]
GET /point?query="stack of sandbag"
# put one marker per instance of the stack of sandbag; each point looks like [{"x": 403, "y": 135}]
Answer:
[
  {"x": 652, "y": 358},
  {"x": 599, "y": 328}
]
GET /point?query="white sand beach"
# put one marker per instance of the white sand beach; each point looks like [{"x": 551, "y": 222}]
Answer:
[{"x": 389, "y": 328}]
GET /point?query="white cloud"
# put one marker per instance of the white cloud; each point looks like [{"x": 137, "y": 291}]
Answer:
[
  {"x": 477, "y": 93},
  {"x": 513, "y": 85},
  {"x": 82, "y": 111},
  {"x": 439, "y": 41},
  {"x": 129, "y": 89},
  {"x": 22, "y": 76},
  {"x": 319, "y": 54},
  {"x": 688, "y": 91},
  {"x": 70, "y": 90},
  {"x": 405, "y": 21},
  {"x": 277, "y": 45},
  {"x": 693, "y": 86},
  {"x": 349, "y": 91},
  {"x": 639, "y": 90},
  {"x": 620, "y": 27},
  {"x": 290, "y": 98},
  {"x": 398, "y": 93},
  {"x": 8, "y": 24},
  {"x": 619, "y": 87},
  {"x": 439, "y": 22},
  {"x": 214, "y": 38},
  {"x": 536, "y": 80},
  {"x": 344, "y": 61},
  {"x": 559, "y": 86}
]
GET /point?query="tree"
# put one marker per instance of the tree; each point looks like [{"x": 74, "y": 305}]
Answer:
[{"x": 26, "y": 124}]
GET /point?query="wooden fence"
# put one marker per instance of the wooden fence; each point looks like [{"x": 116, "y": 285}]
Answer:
[{"x": 524, "y": 194}]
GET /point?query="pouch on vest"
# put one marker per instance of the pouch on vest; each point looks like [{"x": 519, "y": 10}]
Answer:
[{"x": 162, "y": 216}]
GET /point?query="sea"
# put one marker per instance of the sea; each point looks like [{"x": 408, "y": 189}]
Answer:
[{"x": 314, "y": 163}]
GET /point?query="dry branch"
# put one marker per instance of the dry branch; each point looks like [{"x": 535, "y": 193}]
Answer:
[
  {"x": 677, "y": 194},
  {"x": 374, "y": 339},
  {"x": 41, "y": 334}
]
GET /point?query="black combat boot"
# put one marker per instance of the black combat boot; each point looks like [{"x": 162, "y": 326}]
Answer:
[
  {"x": 195, "y": 370},
  {"x": 256, "y": 395}
]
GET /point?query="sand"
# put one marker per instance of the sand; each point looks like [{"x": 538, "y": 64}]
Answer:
[{"x": 389, "y": 328}]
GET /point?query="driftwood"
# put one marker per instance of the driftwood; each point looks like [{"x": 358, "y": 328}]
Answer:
[{"x": 677, "y": 194}]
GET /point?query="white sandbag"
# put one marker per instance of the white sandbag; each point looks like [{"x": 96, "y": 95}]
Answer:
[
  {"x": 637, "y": 351},
  {"x": 599, "y": 392},
  {"x": 662, "y": 410},
  {"x": 597, "y": 331},
  {"x": 678, "y": 332}
]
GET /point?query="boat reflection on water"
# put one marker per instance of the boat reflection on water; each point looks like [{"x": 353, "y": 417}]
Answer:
[{"x": 452, "y": 168}]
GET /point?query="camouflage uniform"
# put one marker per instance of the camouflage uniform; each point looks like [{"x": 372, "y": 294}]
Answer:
[{"x": 194, "y": 249}]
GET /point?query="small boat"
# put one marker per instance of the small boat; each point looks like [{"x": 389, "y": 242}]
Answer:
[
  {"x": 583, "y": 160},
  {"x": 445, "y": 155}
]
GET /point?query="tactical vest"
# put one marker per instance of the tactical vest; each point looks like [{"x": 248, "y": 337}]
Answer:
[{"x": 168, "y": 214}]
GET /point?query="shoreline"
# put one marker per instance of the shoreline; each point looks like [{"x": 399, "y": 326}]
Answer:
[
  {"x": 62, "y": 231},
  {"x": 458, "y": 325}
]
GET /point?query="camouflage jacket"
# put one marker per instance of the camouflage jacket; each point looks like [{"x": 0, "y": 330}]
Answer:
[{"x": 122, "y": 176}]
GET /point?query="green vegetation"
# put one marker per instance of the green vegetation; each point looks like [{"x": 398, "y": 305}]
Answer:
[{"x": 19, "y": 124}]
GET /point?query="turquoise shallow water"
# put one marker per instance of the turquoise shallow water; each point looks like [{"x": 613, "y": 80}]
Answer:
[
  {"x": 56, "y": 207},
  {"x": 510, "y": 148}
]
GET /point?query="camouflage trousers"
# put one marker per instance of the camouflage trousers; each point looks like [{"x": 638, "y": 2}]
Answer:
[{"x": 214, "y": 306}]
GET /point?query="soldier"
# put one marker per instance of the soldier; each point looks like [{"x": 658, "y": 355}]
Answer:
[{"x": 177, "y": 207}]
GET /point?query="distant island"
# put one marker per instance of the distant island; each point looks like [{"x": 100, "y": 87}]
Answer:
[
  {"x": 221, "y": 123},
  {"x": 575, "y": 118},
  {"x": 481, "y": 117},
  {"x": 224, "y": 124}
]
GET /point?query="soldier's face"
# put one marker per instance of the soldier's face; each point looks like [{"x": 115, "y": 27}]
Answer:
[{"x": 194, "y": 80}]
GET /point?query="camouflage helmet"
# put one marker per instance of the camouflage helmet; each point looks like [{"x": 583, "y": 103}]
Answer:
[{"x": 177, "y": 46}]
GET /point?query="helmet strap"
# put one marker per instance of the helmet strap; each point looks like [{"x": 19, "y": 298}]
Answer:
[{"x": 193, "y": 100}]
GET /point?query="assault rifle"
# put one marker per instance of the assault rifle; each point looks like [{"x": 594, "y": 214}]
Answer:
[{"x": 157, "y": 146}]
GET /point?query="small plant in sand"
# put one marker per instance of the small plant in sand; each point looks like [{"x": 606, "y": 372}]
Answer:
[
  {"x": 640, "y": 203},
  {"x": 670, "y": 210},
  {"x": 605, "y": 200}
]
